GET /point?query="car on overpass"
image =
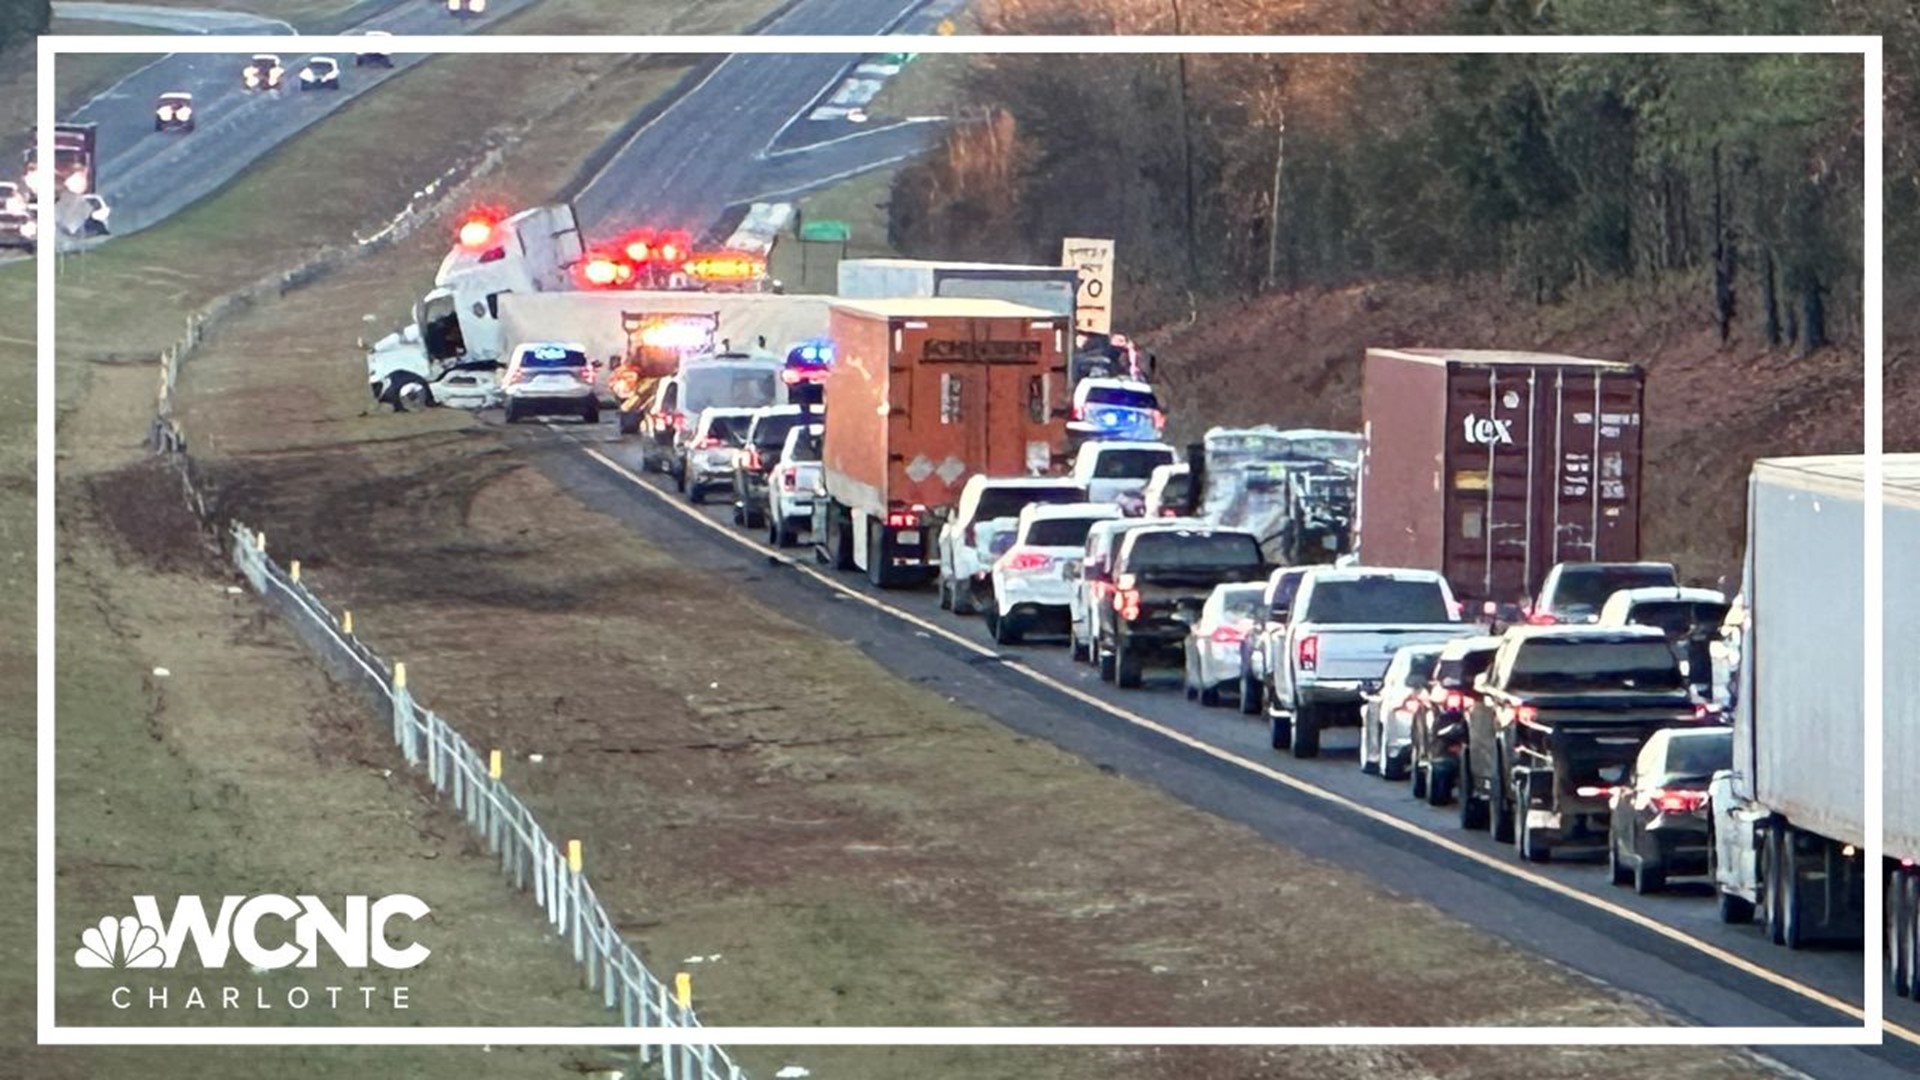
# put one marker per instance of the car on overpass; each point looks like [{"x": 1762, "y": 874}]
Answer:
[
  {"x": 320, "y": 73},
  {"x": 263, "y": 72},
  {"x": 173, "y": 112}
]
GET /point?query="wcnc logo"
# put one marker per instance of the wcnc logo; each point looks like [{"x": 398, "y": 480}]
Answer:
[{"x": 357, "y": 936}]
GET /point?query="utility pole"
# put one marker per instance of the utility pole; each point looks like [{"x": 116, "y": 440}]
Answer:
[{"x": 1186, "y": 140}]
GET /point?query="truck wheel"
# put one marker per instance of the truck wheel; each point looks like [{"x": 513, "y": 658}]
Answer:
[
  {"x": 1439, "y": 784},
  {"x": 1473, "y": 812},
  {"x": 879, "y": 556},
  {"x": 782, "y": 533},
  {"x": 1898, "y": 935},
  {"x": 839, "y": 541},
  {"x": 1419, "y": 779},
  {"x": 1126, "y": 665},
  {"x": 1500, "y": 805},
  {"x": 1793, "y": 916},
  {"x": 946, "y": 593},
  {"x": 1417, "y": 764},
  {"x": 680, "y": 480},
  {"x": 1250, "y": 700},
  {"x": 513, "y": 413},
  {"x": 409, "y": 392},
  {"x": 1532, "y": 846},
  {"x": 1770, "y": 873},
  {"x": 1910, "y": 937},
  {"x": 1306, "y": 732}
]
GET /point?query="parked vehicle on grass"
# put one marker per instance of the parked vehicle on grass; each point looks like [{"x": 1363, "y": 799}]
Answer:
[
  {"x": 1216, "y": 642},
  {"x": 1658, "y": 824},
  {"x": 1031, "y": 591},
  {"x": 1162, "y": 575}
]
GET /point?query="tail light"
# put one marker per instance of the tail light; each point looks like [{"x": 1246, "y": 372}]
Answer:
[
  {"x": 1227, "y": 635},
  {"x": 1017, "y": 561},
  {"x": 1079, "y": 413},
  {"x": 1526, "y": 714},
  {"x": 1703, "y": 711},
  {"x": 1591, "y": 792},
  {"x": 789, "y": 482},
  {"x": 679, "y": 421},
  {"x": 1126, "y": 602},
  {"x": 1541, "y": 618},
  {"x": 1307, "y": 652},
  {"x": 1169, "y": 513},
  {"x": 709, "y": 443},
  {"x": 1455, "y": 701},
  {"x": 1678, "y": 802},
  {"x": 903, "y": 519},
  {"x": 752, "y": 462}
]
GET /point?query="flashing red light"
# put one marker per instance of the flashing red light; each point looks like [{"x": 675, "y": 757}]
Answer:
[
  {"x": 1455, "y": 701},
  {"x": 639, "y": 251},
  {"x": 601, "y": 271},
  {"x": 1227, "y": 635},
  {"x": 1307, "y": 652},
  {"x": 1526, "y": 714},
  {"x": 903, "y": 519},
  {"x": 475, "y": 232},
  {"x": 789, "y": 376},
  {"x": 1678, "y": 802}
]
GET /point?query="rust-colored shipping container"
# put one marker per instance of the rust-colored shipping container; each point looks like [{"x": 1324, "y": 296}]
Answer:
[
  {"x": 923, "y": 394},
  {"x": 1491, "y": 466}
]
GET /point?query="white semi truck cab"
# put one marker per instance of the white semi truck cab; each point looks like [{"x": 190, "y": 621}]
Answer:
[{"x": 453, "y": 349}]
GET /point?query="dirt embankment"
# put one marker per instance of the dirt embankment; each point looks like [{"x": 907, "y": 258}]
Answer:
[{"x": 1712, "y": 408}]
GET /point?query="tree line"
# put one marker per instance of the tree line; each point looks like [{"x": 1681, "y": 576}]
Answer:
[{"x": 1234, "y": 175}]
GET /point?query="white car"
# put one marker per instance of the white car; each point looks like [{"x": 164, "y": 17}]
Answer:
[
  {"x": 372, "y": 56},
  {"x": 263, "y": 72},
  {"x": 1217, "y": 640},
  {"x": 1110, "y": 469},
  {"x": 466, "y": 8},
  {"x": 1031, "y": 590},
  {"x": 1386, "y": 720},
  {"x": 793, "y": 485},
  {"x": 550, "y": 378},
  {"x": 964, "y": 560},
  {"x": 320, "y": 73},
  {"x": 1092, "y": 578},
  {"x": 1276, "y": 605},
  {"x": 1166, "y": 494},
  {"x": 12, "y": 199},
  {"x": 708, "y": 465}
]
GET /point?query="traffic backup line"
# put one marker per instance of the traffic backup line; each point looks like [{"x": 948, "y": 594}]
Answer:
[{"x": 1381, "y": 817}]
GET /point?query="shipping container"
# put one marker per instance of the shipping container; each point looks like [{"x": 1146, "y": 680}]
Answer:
[
  {"x": 925, "y": 393},
  {"x": 1052, "y": 289},
  {"x": 1790, "y": 818},
  {"x": 1491, "y": 466}
]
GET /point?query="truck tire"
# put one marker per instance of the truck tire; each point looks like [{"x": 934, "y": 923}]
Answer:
[
  {"x": 1440, "y": 784},
  {"x": 1898, "y": 937},
  {"x": 1793, "y": 913},
  {"x": 1422, "y": 773},
  {"x": 512, "y": 417},
  {"x": 778, "y": 532},
  {"x": 408, "y": 392},
  {"x": 1910, "y": 911},
  {"x": 839, "y": 545},
  {"x": 1250, "y": 699},
  {"x": 1305, "y": 741},
  {"x": 1126, "y": 665},
  {"x": 1473, "y": 812},
  {"x": 1500, "y": 804},
  {"x": 879, "y": 556},
  {"x": 1770, "y": 873},
  {"x": 1279, "y": 723}
]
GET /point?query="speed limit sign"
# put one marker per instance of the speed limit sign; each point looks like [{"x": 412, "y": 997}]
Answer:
[{"x": 1093, "y": 312}]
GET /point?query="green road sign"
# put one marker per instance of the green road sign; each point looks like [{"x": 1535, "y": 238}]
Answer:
[{"x": 826, "y": 232}]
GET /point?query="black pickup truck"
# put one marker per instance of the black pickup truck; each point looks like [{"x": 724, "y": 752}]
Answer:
[
  {"x": 1559, "y": 718},
  {"x": 1162, "y": 575}
]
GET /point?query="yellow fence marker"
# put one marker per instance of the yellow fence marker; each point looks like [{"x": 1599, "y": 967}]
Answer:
[
  {"x": 346, "y": 622},
  {"x": 293, "y": 571},
  {"x": 493, "y": 765},
  {"x": 399, "y": 676},
  {"x": 573, "y": 855},
  {"x": 945, "y": 29},
  {"x": 260, "y": 541},
  {"x": 683, "y": 990}
]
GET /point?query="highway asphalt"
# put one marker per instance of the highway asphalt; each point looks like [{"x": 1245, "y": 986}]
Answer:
[{"x": 1668, "y": 949}]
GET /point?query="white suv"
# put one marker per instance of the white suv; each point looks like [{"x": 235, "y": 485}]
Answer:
[
  {"x": 548, "y": 378},
  {"x": 964, "y": 559},
  {"x": 1113, "y": 468},
  {"x": 793, "y": 484},
  {"x": 1031, "y": 589}
]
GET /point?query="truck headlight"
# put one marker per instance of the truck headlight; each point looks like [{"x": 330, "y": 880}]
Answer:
[{"x": 29, "y": 228}]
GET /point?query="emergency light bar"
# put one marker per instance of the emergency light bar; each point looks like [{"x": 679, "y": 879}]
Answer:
[{"x": 726, "y": 266}]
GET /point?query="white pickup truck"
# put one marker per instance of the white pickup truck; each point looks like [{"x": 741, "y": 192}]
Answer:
[{"x": 1346, "y": 625}]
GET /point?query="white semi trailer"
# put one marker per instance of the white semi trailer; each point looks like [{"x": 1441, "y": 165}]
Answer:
[{"x": 1789, "y": 819}]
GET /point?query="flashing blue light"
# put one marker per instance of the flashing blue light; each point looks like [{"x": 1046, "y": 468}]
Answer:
[
  {"x": 811, "y": 353},
  {"x": 550, "y": 352}
]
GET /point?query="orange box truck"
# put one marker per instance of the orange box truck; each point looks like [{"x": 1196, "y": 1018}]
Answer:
[{"x": 924, "y": 393}]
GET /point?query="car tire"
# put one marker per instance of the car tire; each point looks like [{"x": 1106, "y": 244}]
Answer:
[
  {"x": 1250, "y": 694},
  {"x": 1209, "y": 696},
  {"x": 680, "y": 480},
  {"x": 1126, "y": 665},
  {"x": 1005, "y": 629},
  {"x": 1770, "y": 872},
  {"x": 408, "y": 392},
  {"x": 629, "y": 423},
  {"x": 1528, "y": 842},
  {"x": 1419, "y": 779},
  {"x": 1189, "y": 685},
  {"x": 512, "y": 411},
  {"x": 839, "y": 544},
  {"x": 1473, "y": 811},
  {"x": 1617, "y": 871},
  {"x": 1305, "y": 742},
  {"x": 1439, "y": 785},
  {"x": 879, "y": 557},
  {"x": 1500, "y": 805},
  {"x": 1076, "y": 645},
  {"x": 1793, "y": 915},
  {"x": 591, "y": 414},
  {"x": 1648, "y": 877},
  {"x": 1391, "y": 767},
  {"x": 1104, "y": 659},
  {"x": 1369, "y": 764}
]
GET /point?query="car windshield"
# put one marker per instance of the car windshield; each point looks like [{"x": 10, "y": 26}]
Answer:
[
  {"x": 999, "y": 502},
  {"x": 1133, "y": 464},
  {"x": 1583, "y": 590},
  {"x": 1184, "y": 550},
  {"x": 1420, "y": 666},
  {"x": 1176, "y": 488},
  {"x": 1240, "y": 605},
  {"x": 772, "y": 429},
  {"x": 728, "y": 386},
  {"x": 728, "y": 428},
  {"x": 1060, "y": 532},
  {"x": 1378, "y": 599},
  {"x": 1699, "y": 753},
  {"x": 1678, "y": 618},
  {"x": 1124, "y": 398},
  {"x": 1550, "y": 664},
  {"x": 1457, "y": 672},
  {"x": 548, "y": 359}
]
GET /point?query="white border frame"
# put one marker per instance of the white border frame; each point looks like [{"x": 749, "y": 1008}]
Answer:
[{"x": 1870, "y": 1032}]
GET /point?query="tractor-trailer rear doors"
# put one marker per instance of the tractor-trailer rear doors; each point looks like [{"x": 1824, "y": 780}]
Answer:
[
  {"x": 925, "y": 393},
  {"x": 1491, "y": 466},
  {"x": 1052, "y": 289}
]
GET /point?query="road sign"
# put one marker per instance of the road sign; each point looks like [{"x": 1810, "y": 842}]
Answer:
[
  {"x": 1093, "y": 307},
  {"x": 826, "y": 231}
]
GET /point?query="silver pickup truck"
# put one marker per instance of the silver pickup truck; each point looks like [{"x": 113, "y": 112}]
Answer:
[{"x": 1346, "y": 624}]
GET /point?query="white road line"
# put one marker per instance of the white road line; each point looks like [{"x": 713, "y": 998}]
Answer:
[
  {"x": 911, "y": 121},
  {"x": 825, "y": 180},
  {"x": 628, "y": 145},
  {"x": 1645, "y": 922}
]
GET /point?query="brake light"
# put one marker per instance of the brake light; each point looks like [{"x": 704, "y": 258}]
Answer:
[
  {"x": 679, "y": 421},
  {"x": 753, "y": 458},
  {"x": 709, "y": 443},
  {"x": 1024, "y": 561},
  {"x": 1455, "y": 701},
  {"x": 1228, "y": 635},
  {"x": 1702, "y": 711},
  {"x": 903, "y": 519},
  {"x": 638, "y": 251},
  {"x": 1541, "y": 618},
  {"x": 788, "y": 482},
  {"x": 1678, "y": 802},
  {"x": 1526, "y": 714},
  {"x": 1127, "y": 603},
  {"x": 601, "y": 272},
  {"x": 1307, "y": 652},
  {"x": 1159, "y": 421},
  {"x": 1079, "y": 413}
]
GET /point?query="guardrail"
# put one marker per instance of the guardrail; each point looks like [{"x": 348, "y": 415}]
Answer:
[{"x": 527, "y": 854}]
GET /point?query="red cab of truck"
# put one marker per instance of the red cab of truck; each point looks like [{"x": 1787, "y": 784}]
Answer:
[
  {"x": 923, "y": 394},
  {"x": 1491, "y": 466}
]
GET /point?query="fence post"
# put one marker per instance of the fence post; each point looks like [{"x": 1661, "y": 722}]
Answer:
[{"x": 402, "y": 706}]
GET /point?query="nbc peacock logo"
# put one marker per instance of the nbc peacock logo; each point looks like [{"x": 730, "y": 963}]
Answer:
[{"x": 125, "y": 942}]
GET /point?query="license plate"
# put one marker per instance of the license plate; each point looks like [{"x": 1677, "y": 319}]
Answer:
[
  {"x": 908, "y": 537},
  {"x": 1370, "y": 685}
]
